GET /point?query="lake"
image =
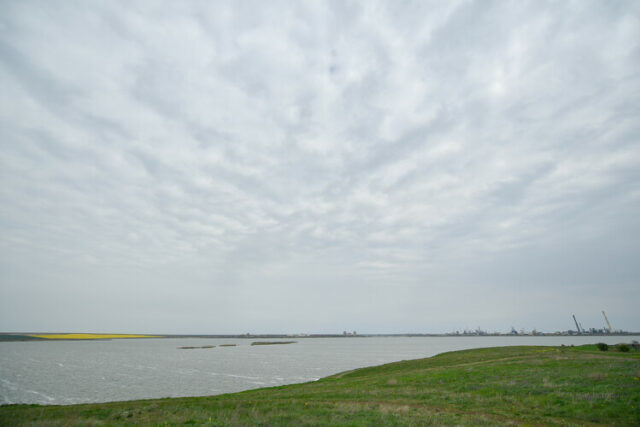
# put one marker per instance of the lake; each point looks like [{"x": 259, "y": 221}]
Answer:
[{"x": 67, "y": 372}]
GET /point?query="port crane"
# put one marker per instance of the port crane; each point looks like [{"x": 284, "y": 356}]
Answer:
[
  {"x": 577, "y": 326},
  {"x": 608, "y": 324}
]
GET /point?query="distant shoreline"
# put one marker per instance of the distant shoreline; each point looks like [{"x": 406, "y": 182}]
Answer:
[{"x": 16, "y": 336}]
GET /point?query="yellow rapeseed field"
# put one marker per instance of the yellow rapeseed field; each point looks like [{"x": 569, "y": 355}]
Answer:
[{"x": 89, "y": 336}]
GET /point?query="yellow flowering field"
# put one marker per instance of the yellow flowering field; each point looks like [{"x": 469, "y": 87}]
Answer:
[{"x": 89, "y": 336}]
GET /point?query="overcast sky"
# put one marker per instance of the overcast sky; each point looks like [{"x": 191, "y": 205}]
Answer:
[{"x": 389, "y": 167}]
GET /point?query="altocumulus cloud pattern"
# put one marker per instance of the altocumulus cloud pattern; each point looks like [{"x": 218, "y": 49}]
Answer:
[{"x": 233, "y": 166}]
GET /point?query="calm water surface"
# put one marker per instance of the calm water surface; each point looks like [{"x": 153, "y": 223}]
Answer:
[{"x": 66, "y": 372}]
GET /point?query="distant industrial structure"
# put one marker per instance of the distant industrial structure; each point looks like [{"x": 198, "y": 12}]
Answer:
[
  {"x": 577, "y": 326},
  {"x": 608, "y": 330},
  {"x": 580, "y": 330},
  {"x": 608, "y": 324}
]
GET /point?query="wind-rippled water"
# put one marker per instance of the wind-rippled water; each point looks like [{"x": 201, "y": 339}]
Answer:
[{"x": 67, "y": 372}]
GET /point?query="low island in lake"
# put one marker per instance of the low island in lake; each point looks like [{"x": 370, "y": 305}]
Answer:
[{"x": 272, "y": 342}]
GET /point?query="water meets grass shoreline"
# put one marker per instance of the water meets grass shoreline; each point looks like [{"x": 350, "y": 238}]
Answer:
[{"x": 504, "y": 385}]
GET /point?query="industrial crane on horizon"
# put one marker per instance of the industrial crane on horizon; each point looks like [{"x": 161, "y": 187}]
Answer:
[
  {"x": 577, "y": 326},
  {"x": 608, "y": 324}
]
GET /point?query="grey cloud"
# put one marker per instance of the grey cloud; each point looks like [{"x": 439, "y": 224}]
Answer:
[{"x": 339, "y": 162}]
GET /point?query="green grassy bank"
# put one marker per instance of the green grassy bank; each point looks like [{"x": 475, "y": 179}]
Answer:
[{"x": 507, "y": 385}]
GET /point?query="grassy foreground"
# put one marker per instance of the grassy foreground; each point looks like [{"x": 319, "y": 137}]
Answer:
[{"x": 506, "y": 385}]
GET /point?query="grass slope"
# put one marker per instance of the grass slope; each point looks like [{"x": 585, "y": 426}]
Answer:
[{"x": 507, "y": 385}]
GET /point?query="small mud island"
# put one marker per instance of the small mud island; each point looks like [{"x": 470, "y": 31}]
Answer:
[
  {"x": 193, "y": 348},
  {"x": 272, "y": 342}
]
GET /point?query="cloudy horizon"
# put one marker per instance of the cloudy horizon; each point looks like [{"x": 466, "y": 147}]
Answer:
[{"x": 313, "y": 167}]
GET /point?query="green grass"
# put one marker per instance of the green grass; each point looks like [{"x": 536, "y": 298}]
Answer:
[{"x": 507, "y": 385}]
